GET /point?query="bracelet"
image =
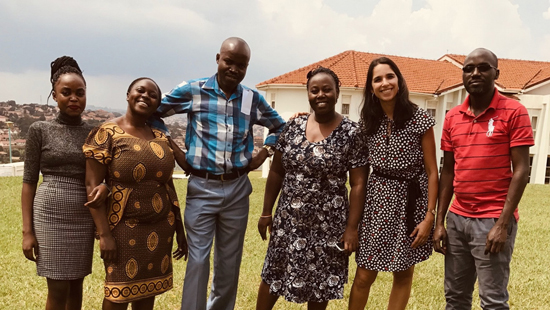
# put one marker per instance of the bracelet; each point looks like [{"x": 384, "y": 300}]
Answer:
[{"x": 265, "y": 216}]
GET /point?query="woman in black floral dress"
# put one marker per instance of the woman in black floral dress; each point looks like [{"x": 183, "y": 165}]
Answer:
[
  {"x": 313, "y": 156},
  {"x": 396, "y": 229}
]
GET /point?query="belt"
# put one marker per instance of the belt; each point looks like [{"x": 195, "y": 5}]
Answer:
[
  {"x": 413, "y": 192},
  {"x": 220, "y": 177}
]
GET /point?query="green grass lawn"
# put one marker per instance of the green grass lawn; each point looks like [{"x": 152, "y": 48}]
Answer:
[{"x": 21, "y": 288}]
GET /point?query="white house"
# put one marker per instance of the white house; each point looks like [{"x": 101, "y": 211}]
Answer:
[{"x": 434, "y": 85}]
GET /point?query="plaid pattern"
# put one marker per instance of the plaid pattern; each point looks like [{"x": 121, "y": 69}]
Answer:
[
  {"x": 64, "y": 229},
  {"x": 219, "y": 136}
]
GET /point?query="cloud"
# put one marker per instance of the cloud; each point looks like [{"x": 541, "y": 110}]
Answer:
[{"x": 546, "y": 14}]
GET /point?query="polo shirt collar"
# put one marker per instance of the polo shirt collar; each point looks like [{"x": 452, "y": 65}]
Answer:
[
  {"x": 212, "y": 83},
  {"x": 465, "y": 106}
]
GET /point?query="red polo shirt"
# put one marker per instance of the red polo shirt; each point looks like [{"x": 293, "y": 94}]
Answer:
[{"x": 481, "y": 147}]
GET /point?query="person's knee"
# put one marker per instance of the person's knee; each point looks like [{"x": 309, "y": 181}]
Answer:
[
  {"x": 404, "y": 276},
  {"x": 364, "y": 278},
  {"x": 58, "y": 289}
]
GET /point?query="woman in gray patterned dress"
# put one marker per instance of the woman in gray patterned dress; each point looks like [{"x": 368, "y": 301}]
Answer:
[
  {"x": 58, "y": 230},
  {"x": 396, "y": 229},
  {"x": 313, "y": 155}
]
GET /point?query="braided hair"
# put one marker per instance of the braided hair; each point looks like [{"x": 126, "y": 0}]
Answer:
[
  {"x": 63, "y": 65},
  {"x": 319, "y": 69}
]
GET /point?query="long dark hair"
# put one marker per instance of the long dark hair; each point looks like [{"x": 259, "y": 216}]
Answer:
[
  {"x": 372, "y": 113},
  {"x": 63, "y": 65}
]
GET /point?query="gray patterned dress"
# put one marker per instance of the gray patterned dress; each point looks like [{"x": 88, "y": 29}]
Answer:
[
  {"x": 62, "y": 224},
  {"x": 302, "y": 263}
]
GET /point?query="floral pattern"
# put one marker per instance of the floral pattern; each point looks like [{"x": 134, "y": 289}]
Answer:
[
  {"x": 302, "y": 263},
  {"x": 384, "y": 244}
]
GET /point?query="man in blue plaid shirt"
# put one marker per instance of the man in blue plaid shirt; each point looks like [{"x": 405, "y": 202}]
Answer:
[{"x": 219, "y": 143}]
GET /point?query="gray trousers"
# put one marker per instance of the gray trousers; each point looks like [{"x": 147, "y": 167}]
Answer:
[
  {"x": 214, "y": 210},
  {"x": 466, "y": 260}
]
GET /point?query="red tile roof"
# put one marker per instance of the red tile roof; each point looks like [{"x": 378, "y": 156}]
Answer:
[
  {"x": 422, "y": 75},
  {"x": 515, "y": 74}
]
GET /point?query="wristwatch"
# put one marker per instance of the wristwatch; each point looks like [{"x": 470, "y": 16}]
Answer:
[{"x": 270, "y": 150}]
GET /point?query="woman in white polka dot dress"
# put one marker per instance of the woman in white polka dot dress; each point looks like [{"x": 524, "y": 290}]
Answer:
[{"x": 396, "y": 230}]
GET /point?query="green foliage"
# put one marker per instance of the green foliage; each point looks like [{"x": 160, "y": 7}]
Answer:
[{"x": 21, "y": 288}]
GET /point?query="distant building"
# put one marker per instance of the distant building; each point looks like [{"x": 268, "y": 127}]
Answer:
[{"x": 434, "y": 85}]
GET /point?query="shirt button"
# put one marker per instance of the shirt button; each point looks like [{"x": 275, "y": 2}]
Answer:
[{"x": 475, "y": 120}]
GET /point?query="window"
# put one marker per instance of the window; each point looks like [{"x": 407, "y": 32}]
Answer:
[
  {"x": 345, "y": 109},
  {"x": 431, "y": 112},
  {"x": 534, "y": 125},
  {"x": 273, "y": 100},
  {"x": 346, "y": 101}
]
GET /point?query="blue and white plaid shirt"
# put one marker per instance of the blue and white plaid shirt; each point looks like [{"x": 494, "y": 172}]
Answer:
[{"x": 219, "y": 137}]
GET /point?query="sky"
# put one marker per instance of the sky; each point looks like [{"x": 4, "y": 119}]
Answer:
[{"x": 116, "y": 41}]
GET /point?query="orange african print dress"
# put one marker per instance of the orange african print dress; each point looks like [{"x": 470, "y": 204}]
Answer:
[{"x": 140, "y": 211}]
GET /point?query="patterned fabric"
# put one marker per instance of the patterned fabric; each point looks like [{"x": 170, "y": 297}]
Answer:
[
  {"x": 384, "y": 244},
  {"x": 219, "y": 137},
  {"x": 481, "y": 147},
  {"x": 64, "y": 229},
  {"x": 141, "y": 213},
  {"x": 302, "y": 263}
]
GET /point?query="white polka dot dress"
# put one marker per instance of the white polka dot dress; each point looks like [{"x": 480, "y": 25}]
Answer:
[{"x": 384, "y": 244}]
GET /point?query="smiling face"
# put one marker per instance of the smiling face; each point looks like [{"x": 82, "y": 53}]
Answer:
[
  {"x": 70, "y": 94},
  {"x": 385, "y": 83},
  {"x": 232, "y": 64},
  {"x": 143, "y": 97},
  {"x": 480, "y": 80},
  {"x": 322, "y": 93}
]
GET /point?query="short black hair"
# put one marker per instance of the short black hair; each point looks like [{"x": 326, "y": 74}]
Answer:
[{"x": 317, "y": 70}]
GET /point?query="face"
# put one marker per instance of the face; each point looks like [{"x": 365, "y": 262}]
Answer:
[
  {"x": 70, "y": 94},
  {"x": 232, "y": 64},
  {"x": 322, "y": 93},
  {"x": 385, "y": 83},
  {"x": 481, "y": 72},
  {"x": 143, "y": 97}
]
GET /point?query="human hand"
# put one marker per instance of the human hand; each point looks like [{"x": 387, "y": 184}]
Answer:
[
  {"x": 496, "y": 238},
  {"x": 107, "y": 248},
  {"x": 422, "y": 232},
  {"x": 297, "y": 114},
  {"x": 179, "y": 155},
  {"x": 99, "y": 194},
  {"x": 351, "y": 240},
  {"x": 258, "y": 160},
  {"x": 440, "y": 239},
  {"x": 30, "y": 246},
  {"x": 265, "y": 223},
  {"x": 182, "y": 250}
]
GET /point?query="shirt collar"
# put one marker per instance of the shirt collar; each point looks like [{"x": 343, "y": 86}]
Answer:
[
  {"x": 212, "y": 83},
  {"x": 465, "y": 106}
]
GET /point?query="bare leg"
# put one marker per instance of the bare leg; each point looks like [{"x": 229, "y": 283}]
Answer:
[
  {"x": 360, "y": 289},
  {"x": 401, "y": 289},
  {"x": 58, "y": 291},
  {"x": 144, "y": 304},
  {"x": 74, "y": 297},
  {"x": 109, "y": 305},
  {"x": 265, "y": 300},
  {"x": 317, "y": 305}
]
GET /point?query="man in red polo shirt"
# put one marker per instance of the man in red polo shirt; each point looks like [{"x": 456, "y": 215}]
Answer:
[{"x": 486, "y": 144}]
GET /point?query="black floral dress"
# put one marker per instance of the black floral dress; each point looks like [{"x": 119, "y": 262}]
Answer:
[
  {"x": 302, "y": 263},
  {"x": 384, "y": 244}
]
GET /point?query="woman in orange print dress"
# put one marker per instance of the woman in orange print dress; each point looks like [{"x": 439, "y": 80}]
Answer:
[{"x": 137, "y": 228}]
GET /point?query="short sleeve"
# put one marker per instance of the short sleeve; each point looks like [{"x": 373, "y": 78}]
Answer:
[
  {"x": 98, "y": 145},
  {"x": 446, "y": 142},
  {"x": 282, "y": 140},
  {"x": 422, "y": 121},
  {"x": 521, "y": 132},
  {"x": 358, "y": 149},
  {"x": 33, "y": 150}
]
